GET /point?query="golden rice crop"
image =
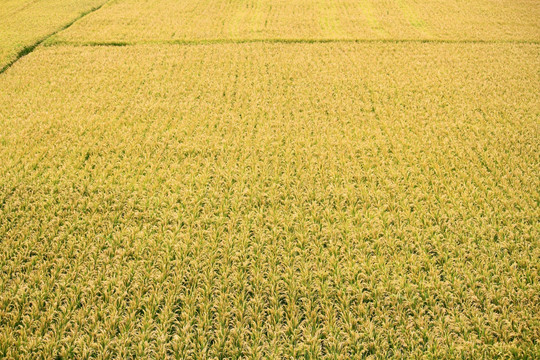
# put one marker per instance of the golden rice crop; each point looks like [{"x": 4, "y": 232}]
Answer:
[
  {"x": 137, "y": 21},
  {"x": 23, "y": 23},
  {"x": 257, "y": 200}
]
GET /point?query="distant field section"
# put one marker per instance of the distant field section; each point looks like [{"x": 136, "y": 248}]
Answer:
[
  {"x": 185, "y": 20},
  {"x": 25, "y": 23}
]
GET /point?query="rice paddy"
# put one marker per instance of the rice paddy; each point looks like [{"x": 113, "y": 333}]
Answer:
[
  {"x": 25, "y": 23},
  {"x": 240, "y": 20},
  {"x": 271, "y": 179}
]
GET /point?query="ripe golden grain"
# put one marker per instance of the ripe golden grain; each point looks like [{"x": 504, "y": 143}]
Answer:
[
  {"x": 24, "y": 23},
  {"x": 219, "y": 20},
  {"x": 271, "y": 200}
]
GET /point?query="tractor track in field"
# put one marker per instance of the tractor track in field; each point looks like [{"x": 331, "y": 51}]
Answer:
[{"x": 284, "y": 41}]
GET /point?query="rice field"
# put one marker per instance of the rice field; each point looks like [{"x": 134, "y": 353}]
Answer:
[
  {"x": 24, "y": 23},
  {"x": 240, "y": 20},
  {"x": 191, "y": 184}
]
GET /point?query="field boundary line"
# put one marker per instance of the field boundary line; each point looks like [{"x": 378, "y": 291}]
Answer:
[
  {"x": 281, "y": 41},
  {"x": 30, "y": 48}
]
